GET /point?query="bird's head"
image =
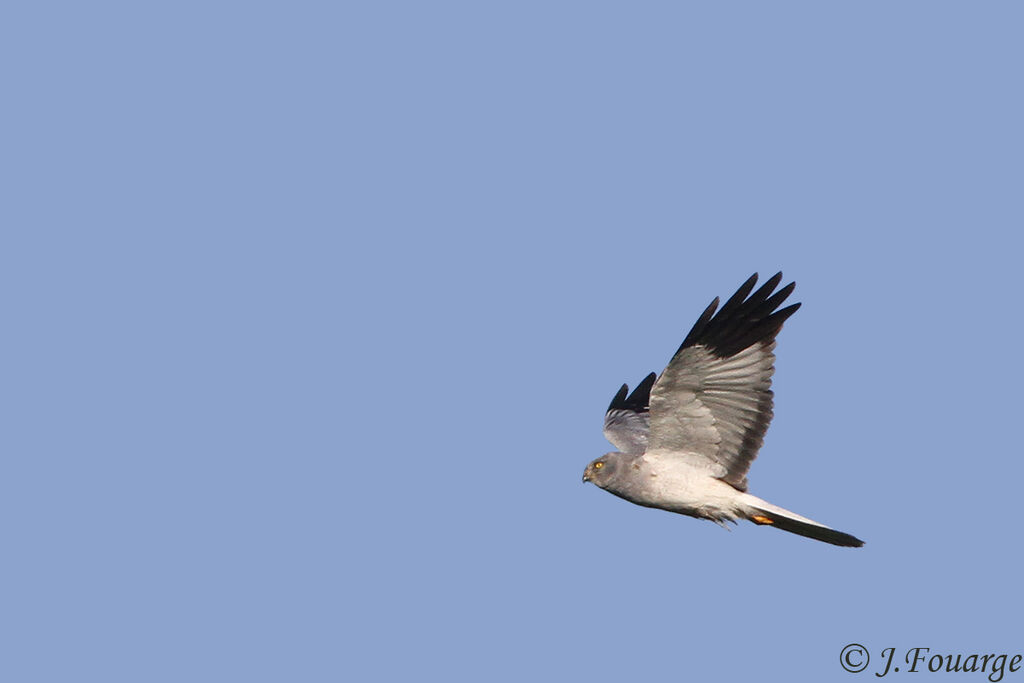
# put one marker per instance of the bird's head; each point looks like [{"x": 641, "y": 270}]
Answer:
[{"x": 601, "y": 471}]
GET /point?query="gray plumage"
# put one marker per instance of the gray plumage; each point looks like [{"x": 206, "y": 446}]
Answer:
[
  {"x": 686, "y": 438},
  {"x": 627, "y": 421}
]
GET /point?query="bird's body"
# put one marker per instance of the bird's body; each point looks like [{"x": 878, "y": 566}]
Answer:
[
  {"x": 659, "y": 482},
  {"x": 688, "y": 436}
]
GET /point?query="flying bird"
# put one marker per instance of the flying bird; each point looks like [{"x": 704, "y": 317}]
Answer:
[{"x": 686, "y": 438}]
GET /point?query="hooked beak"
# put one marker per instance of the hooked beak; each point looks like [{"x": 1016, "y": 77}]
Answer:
[{"x": 586, "y": 475}]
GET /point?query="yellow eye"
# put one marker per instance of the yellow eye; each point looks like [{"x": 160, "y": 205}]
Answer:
[{"x": 598, "y": 465}]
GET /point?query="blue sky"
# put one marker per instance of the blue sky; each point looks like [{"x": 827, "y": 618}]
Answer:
[{"x": 312, "y": 311}]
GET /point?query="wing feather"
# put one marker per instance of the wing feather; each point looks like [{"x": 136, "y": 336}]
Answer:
[
  {"x": 626, "y": 422},
  {"x": 713, "y": 402}
]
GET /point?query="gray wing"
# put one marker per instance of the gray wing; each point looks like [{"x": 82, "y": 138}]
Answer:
[
  {"x": 627, "y": 420},
  {"x": 712, "y": 404}
]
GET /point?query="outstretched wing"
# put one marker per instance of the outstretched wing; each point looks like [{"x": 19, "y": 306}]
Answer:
[
  {"x": 626, "y": 422},
  {"x": 713, "y": 402}
]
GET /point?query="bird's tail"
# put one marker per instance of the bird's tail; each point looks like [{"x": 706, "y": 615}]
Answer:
[{"x": 762, "y": 512}]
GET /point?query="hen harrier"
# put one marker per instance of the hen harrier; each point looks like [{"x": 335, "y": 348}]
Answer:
[{"x": 687, "y": 438}]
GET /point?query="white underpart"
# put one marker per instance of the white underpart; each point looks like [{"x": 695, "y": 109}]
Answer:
[{"x": 680, "y": 486}]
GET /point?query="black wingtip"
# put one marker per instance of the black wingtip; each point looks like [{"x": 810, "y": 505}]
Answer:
[
  {"x": 639, "y": 401},
  {"x": 702, "y": 322},
  {"x": 737, "y": 299},
  {"x": 620, "y": 397},
  {"x": 744, "y": 320}
]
